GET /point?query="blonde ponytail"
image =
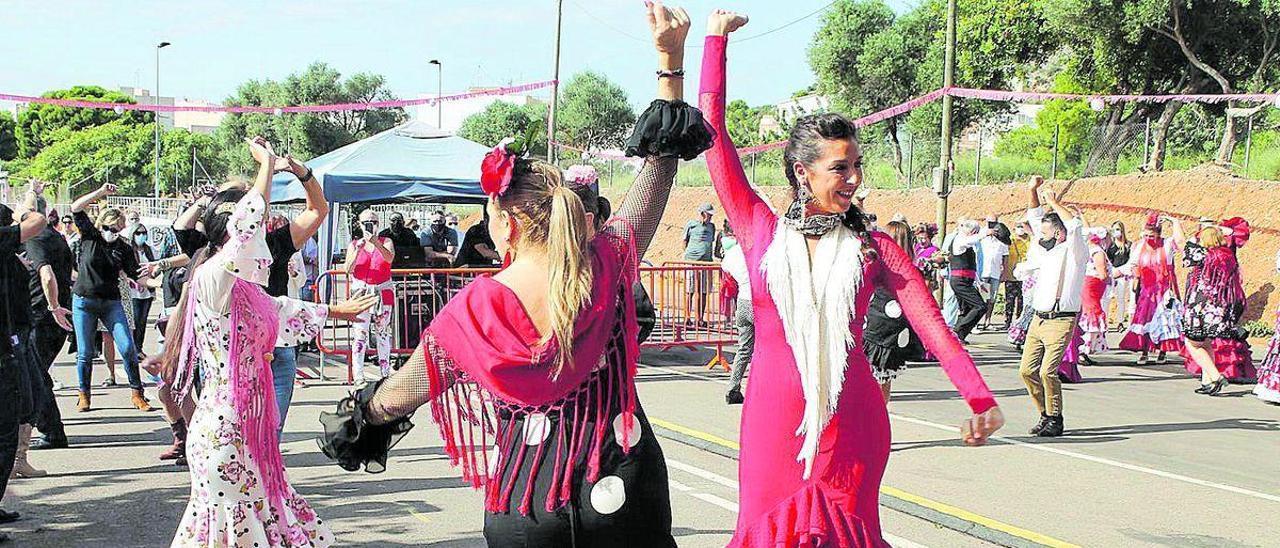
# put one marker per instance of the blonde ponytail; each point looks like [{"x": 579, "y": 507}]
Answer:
[{"x": 569, "y": 268}]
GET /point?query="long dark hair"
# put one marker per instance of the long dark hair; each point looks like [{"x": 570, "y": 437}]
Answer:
[
  {"x": 215, "y": 229},
  {"x": 804, "y": 145}
]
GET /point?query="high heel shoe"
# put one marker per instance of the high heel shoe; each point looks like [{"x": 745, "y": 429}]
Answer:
[{"x": 1215, "y": 387}]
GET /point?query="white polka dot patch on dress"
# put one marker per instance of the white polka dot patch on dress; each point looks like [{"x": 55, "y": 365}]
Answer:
[
  {"x": 892, "y": 309},
  {"x": 904, "y": 338},
  {"x": 608, "y": 495},
  {"x": 536, "y": 429},
  {"x": 631, "y": 441}
]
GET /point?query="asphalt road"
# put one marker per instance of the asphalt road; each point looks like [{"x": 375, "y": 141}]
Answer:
[{"x": 1145, "y": 463}]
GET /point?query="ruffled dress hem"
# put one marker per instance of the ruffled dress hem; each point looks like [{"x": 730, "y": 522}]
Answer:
[{"x": 813, "y": 516}]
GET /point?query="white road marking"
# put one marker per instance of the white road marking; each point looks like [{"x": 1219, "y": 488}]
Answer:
[
  {"x": 1044, "y": 448},
  {"x": 716, "y": 501},
  {"x": 684, "y": 373},
  {"x": 1104, "y": 461},
  {"x": 679, "y": 486},
  {"x": 704, "y": 474}
]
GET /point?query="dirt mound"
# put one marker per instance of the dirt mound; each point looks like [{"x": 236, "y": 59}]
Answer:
[{"x": 1207, "y": 191}]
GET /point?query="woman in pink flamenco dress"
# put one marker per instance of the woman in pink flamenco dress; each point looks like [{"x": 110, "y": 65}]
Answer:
[
  {"x": 815, "y": 431},
  {"x": 1156, "y": 321}
]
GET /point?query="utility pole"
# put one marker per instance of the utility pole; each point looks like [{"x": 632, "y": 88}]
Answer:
[
  {"x": 555, "y": 88},
  {"x": 942, "y": 174},
  {"x": 155, "y": 181}
]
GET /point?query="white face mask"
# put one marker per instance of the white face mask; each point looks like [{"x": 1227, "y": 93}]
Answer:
[{"x": 110, "y": 236}]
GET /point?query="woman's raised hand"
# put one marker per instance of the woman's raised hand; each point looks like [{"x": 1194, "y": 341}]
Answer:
[
  {"x": 723, "y": 22},
  {"x": 261, "y": 150},
  {"x": 669, "y": 27}
]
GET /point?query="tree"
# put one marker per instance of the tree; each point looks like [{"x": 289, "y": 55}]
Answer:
[
  {"x": 854, "y": 34},
  {"x": 125, "y": 154},
  {"x": 40, "y": 125},
  {"x": 1233, "y": 42},
  {"x": 1104, "y": 53},
  {"x": 594, "y": 113},
  {"x": 311, "y": 134},
  {"x": 501, "y": 119},
  {"x": 744, "y": 123},
  {"x": 8, "y": 137},
  {"x": 998, "y": 43},
  {"x": 118, "y": 151}
]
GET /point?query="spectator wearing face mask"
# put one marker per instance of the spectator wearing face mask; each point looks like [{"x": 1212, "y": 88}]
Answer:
[
  {"x": 104, "y": 259},
  {"x": 451, "y": 219},
  {"x": 438, "y": 242},
  {"x": 408, "y": 252},
  {"x": 995, "y": 251},
  {"x": 140, "y": 295}
]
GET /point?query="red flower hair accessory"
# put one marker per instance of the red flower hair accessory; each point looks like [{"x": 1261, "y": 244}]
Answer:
[{"x": 497, "y": 168}]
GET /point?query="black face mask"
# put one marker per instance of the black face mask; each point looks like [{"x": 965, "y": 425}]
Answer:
[
  {"x": 1048, "y": 243},
  {"x": 991, "y": 224}
]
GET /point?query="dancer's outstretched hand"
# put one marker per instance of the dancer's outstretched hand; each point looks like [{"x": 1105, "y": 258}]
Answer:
[
  {"x": 669, "y": 27},
  {"x": 977, "y": 429},
  {"x": 723, "y": 22},
  {"x": 350, "y": 308}
]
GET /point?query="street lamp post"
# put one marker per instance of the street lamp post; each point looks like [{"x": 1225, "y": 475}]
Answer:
[
  {"x": 155, "y": 182},
  {"x": 439, "y": 92}
]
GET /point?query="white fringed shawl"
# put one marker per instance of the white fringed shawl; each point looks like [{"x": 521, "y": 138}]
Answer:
[{"x": 816, "y": 304}]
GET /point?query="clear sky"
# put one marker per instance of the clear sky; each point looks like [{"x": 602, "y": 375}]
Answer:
[{"x": 217, "y": 45}]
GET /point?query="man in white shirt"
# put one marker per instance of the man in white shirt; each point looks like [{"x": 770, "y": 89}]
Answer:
[
  {"x": 735, "y": 264},
  {"x": 994, "y": 252},
  {"x": 1060, "y": 264},
  {"x": 964, "y": 277}
]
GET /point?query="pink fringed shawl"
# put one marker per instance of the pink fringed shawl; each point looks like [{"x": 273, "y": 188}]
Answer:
[
  {"x": 488, "y": 372},
  {"x": 255, "y": 320}
]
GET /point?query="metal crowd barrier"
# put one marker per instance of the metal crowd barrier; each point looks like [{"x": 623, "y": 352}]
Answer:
[{"x": 688, "y": 308}]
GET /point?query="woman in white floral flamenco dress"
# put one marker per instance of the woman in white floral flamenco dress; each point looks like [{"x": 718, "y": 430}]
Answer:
[{"x": 239, "y": 493}]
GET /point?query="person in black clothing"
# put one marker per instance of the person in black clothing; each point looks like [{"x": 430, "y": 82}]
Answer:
[
  {"x": 476, "y": 250},
  {"x": 141, "y": 296},
  {"x": 18, "y": 362},
  {"x": 964, "y": 274},
  {"x": 1122, "y": 287},
  {"x": 104, "y": 258},
  {"x": 437, "y": 242},
  {"x": 409, "y": 252},
  {"x": 50, "y": 265}
]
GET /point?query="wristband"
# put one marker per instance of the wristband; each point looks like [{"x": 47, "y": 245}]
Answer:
[
  {"x": 677, "y": 73},
  {"x": 308, "y": 176}
]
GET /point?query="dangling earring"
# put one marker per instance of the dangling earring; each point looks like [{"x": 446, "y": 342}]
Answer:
[{"x": 804, "y": 195}]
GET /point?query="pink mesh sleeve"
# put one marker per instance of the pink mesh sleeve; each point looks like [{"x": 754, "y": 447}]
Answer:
[
  {"x": 902, "y": 277},
  {"x": 741, "y": 202}
]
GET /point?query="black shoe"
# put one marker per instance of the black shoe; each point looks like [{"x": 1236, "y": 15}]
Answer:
[
  {"x": 1035, "y": 430},
  {"x": 1087, "y": 360},
  {"x": 9, "y": 517},
  {"x": 734, "y": 397},
  {"x": 4, "y": 537},
  {"x": 47, "y": 442},
  {"x": 1203, "y": 388},
  {"x": 1213, "y": 388},
  {"x": 1053, "y": 427}
]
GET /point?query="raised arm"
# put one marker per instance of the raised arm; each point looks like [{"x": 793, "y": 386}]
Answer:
[
  {"x": 89, "y": 199},
  {"x": 1034, "y": 191},
  {"x": 1179, "y": 237},
  {"x": 659, "y": 125},
  {"x": 307, "y": 223},
  {"x": 741, "y": 202}
]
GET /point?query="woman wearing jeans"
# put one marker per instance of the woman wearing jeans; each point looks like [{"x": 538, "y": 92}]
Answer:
[{"x": 104, "y": 257}]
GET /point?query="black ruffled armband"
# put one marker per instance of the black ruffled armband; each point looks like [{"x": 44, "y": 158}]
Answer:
[
  {"x": 670, "y": 129},
  {"x": 352, "y": 441}
]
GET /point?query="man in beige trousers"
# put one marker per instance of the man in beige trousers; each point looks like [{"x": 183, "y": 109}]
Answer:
[{"x": 1059, "y": 257}]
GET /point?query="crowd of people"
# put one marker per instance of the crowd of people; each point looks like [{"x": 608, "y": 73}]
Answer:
[{"x": 530, "y": 372}]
